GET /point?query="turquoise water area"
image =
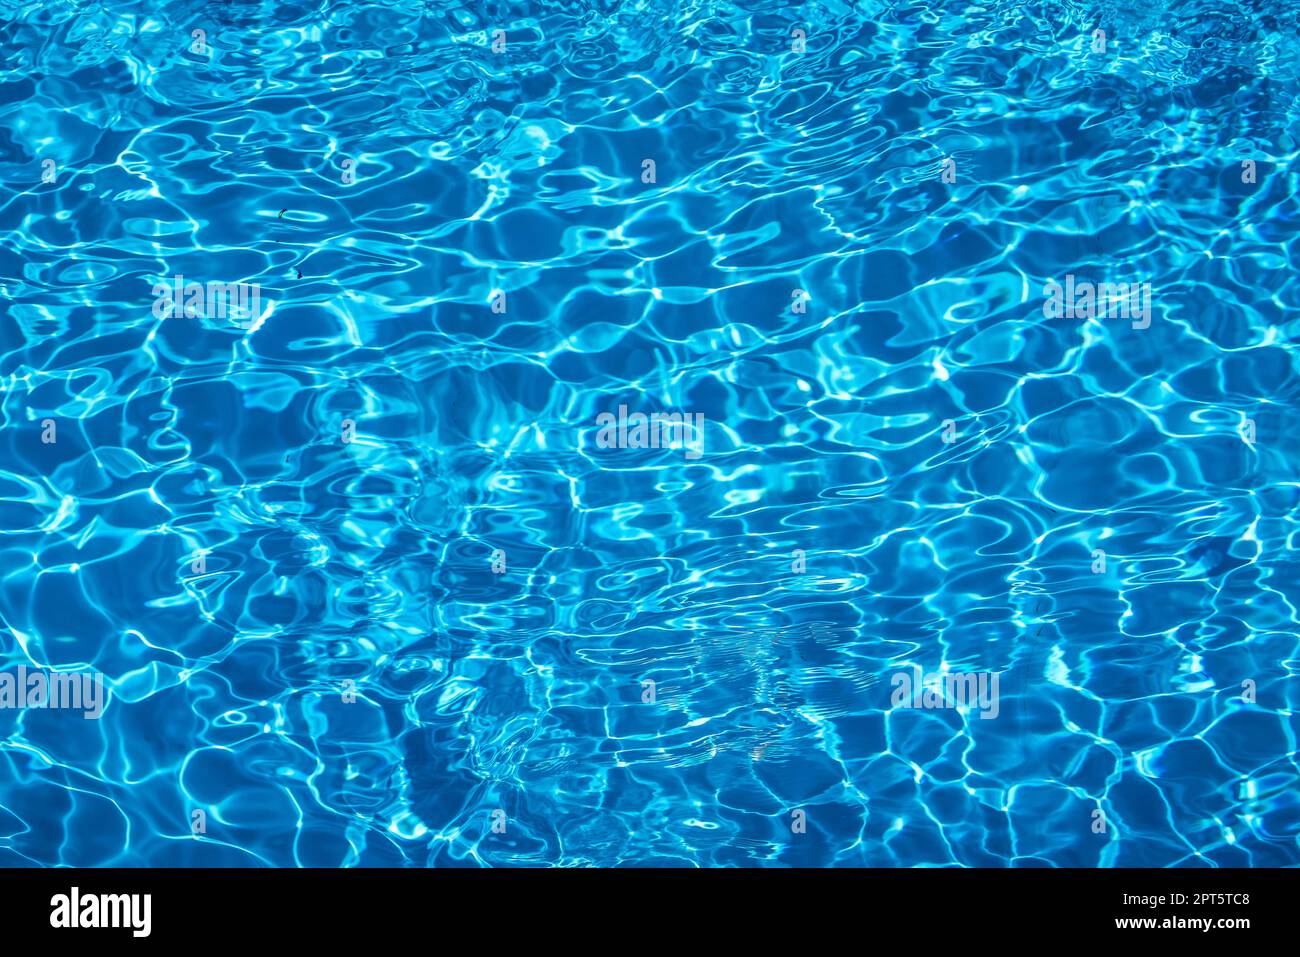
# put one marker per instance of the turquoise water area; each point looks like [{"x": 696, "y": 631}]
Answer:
[{"x": 367, "y": 583}]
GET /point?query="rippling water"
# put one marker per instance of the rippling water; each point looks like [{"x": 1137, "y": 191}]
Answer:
[{"x": 368, "y": 584}]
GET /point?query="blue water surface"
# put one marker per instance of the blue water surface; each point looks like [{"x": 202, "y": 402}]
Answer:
[{"x": 369, "y": 587}]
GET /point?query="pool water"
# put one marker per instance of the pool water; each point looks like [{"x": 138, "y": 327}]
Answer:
[{"x": 651, "y": 433}]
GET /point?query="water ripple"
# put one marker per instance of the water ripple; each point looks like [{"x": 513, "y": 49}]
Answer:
[{"x": 367, "y": 583}]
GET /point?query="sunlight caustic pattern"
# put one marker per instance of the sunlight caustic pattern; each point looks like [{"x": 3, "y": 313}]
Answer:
[{"x": 649, "y": 433}]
